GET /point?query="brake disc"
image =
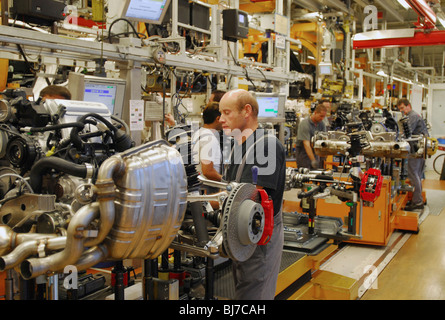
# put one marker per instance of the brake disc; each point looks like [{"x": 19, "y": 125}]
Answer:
[{"x": 242, "y": 222}]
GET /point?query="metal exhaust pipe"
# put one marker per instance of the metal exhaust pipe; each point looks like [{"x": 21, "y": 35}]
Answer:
[
  {"x": 76, "y": 238},
  {"x": 10, "y": 239},
  {"x": 26, "y": 249},
  {"x": 92, "y": 257},
  {"x": 105, "y": 196},
  {"x": 74, "y": 248}
]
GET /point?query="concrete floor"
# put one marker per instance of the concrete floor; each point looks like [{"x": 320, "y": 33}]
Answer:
[{"x": 417, "y": 272}]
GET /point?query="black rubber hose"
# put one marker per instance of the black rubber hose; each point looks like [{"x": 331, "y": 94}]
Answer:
[
  {"x": 323, "y": 177},
  {"x": 74, "y": 135},
  {"x": 79, "y": 125},
  {"x": 46, "y": 164}
]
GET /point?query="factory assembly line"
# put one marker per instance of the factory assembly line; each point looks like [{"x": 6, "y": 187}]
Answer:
[
  {"x": 137, "y": 202},
  {"x": 101, "y": 193}
]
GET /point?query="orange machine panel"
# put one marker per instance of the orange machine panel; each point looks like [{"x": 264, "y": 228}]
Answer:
[{"x": 376, "y": 220}]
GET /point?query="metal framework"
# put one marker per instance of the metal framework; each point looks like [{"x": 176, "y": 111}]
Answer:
[{"x": 131, "y": 54}]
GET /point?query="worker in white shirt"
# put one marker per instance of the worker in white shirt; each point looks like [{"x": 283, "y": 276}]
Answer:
[{"x": 206, "y": 144}]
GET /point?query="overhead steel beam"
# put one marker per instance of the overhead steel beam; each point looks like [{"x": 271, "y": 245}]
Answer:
[
  {"x": 308, "y": 4},
  {"x": 362, "y": 3},
  {"x": 427, "y": 17},
  {"x": 398, "y": 38},
  {"x": 91, "y": 49},
  {"x": 390, "y": 10},
  {"x": 87, "y": 50},
  {"x": 339, "y": 5}
]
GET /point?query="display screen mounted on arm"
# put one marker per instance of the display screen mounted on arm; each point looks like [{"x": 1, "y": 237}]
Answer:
[{"x": 148, "y": 11}]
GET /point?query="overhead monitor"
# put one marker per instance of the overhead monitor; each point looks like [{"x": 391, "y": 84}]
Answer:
[
  {"x": 271, "y": 106},
  {"x": 148, "y": 11},
  {"x": 235, "y": 25},
  {"x": 108, "y": 91},
  {"x": 325, "y": 68}
]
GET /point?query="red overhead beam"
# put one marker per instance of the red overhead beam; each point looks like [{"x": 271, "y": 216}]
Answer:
[
  {"x": 425, "y": 35},
  {"x": 427, "y": 17},
  {"x": 420, "y": 38}
]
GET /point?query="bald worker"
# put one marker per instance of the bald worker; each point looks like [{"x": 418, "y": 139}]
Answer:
[{"x": 255, "y": 278}]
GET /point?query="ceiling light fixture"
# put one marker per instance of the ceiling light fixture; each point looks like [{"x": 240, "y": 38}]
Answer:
[
  {"x": 404, "y": 4},
  {"x": 381, "y": 73}
]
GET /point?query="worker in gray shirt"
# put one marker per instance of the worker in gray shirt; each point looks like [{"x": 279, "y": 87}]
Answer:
[
  {"x": 255, "y": 278},
  {"x": 306, "y": 157},
  {"x": 415, "y": 165}
]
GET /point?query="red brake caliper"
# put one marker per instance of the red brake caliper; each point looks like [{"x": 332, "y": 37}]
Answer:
[
  {"x": 371, "y": 185},
  {"x": 267, "y": 205}
]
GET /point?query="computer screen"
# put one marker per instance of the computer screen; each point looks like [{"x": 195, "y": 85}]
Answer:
[
  {"x": 241, "y": 19},
  {"x": 268, "y": 107},
  {"x": 271, "y": 106},
  {"x": 325, "y": 68},
  {"x": 101, "y": 92},
  {"x": 108, "y": 91},
  {"x": 148, "y": 11}
]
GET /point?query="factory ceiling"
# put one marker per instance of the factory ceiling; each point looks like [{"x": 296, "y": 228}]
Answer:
[{"x": 392, "y": 16}]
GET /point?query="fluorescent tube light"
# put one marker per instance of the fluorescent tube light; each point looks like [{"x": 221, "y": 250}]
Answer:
[{"x": 404, "y": 4}]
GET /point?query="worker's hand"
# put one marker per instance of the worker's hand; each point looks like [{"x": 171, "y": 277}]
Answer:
[
  {"x": 314, "y": 164},
  {"x": 170, "y": 120}
]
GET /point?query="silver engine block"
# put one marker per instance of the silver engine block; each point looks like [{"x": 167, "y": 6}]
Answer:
[{"x": 140, "y": 200}]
